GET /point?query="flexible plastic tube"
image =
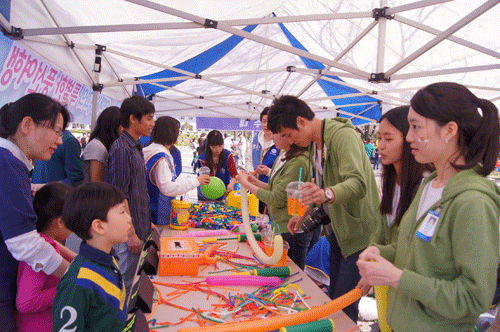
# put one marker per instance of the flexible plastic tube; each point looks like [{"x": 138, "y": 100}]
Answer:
[
  {"x": 277, "y": 322},
  {"x": 278, "y": 240},
  {"x": 325, "y": 325},
  {"x": 381, "y": 297},
  {"x": 209, "y": 232},
  {"x": 208, "y": 252},
  {"x": 243, "y": 281}
]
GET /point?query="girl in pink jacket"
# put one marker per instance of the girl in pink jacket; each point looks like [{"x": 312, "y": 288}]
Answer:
[{"x": 36, "y": 290}]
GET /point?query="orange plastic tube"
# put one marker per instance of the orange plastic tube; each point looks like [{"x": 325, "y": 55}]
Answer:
[
  {"x": 276, "y": 323},
  {"x": 207, "y": 259}
]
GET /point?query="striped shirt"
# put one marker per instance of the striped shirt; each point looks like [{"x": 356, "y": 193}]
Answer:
[{"x": 127, "y": 171}]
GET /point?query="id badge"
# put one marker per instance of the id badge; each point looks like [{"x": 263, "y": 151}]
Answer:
[{"x": 426, "y": 230}]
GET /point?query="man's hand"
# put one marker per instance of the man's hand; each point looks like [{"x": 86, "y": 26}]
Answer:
[
  {"x": 310, "y": 193},
  {"x": 295, "y": 221}
]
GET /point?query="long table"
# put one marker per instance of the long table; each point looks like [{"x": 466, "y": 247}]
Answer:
[{"x": 199, "y": 300}]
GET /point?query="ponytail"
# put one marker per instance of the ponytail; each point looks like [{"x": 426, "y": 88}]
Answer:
[{"x": 484, "y": 145}]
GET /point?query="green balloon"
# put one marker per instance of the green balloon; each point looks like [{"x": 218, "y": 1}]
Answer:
[{"x": 215, "y": 189}]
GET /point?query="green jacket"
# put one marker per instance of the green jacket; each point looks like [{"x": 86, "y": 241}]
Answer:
[
  {"x": 447, "y": 282},
  {"x": 348, "y": 172},
  {"x": 276, "y": 197},
  {"x": 385, "y": 234}
]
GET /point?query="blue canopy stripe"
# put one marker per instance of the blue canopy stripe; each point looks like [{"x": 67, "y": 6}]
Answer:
[
  {"x": 333, "y": 89},
  {"x": 196, "y": 64}
]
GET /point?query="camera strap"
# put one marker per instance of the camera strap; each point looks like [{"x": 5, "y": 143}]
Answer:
[{"x": 327, "y": 228}]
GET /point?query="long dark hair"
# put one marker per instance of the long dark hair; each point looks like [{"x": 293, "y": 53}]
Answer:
[
  {"x": 39, "y": 107},
  {"x": 478, "y": 133},
  {"x": 411, "y": 170},
  {"x": 294, "y": 151},
  {"x": 214, "y": 138},
  {"x": 107, "y": 126},
  {"x": 48, "y": 203}
]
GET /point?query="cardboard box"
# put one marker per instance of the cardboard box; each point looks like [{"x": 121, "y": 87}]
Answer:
[{"x": 178, "y": 256}]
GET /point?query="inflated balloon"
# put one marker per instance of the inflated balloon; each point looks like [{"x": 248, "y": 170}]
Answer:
[{"x": 215, "y": 189}]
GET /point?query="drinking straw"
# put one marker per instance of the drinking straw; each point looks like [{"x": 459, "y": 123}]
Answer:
[{"x": 298, "y": 191}]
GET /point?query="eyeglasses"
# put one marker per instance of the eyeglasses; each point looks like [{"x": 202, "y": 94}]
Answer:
[{"x": 59, "y": 132}]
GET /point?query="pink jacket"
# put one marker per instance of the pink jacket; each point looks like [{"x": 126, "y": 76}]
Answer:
[{"x": 35, "y": 296}]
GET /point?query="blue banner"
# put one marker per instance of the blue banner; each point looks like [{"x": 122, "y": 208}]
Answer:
[{"x": 227, "y": 124}]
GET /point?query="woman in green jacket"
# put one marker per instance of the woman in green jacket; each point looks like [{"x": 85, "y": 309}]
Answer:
[
  {"x": 286, "y": 168},
  {"x": 441, "y": 272},
  {"x": 401, "y": 173}
]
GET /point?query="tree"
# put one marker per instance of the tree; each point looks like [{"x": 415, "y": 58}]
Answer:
[{"x": 367, "y": 131}]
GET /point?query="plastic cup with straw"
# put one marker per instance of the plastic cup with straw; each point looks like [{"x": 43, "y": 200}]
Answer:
[{"x": 298, "y": 191}]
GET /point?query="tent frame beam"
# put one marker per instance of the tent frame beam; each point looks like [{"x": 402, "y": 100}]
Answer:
[
  {"x": 442, "y": 36},
  {"x": 250, "y": 36}
]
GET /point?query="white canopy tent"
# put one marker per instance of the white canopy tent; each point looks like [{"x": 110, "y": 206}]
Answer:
[{"x": 384, "y": 49}]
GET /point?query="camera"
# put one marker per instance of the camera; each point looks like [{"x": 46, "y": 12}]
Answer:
[{"x": 317, "y": 217}]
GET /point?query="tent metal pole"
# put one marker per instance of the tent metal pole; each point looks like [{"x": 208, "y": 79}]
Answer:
[
  {"x": 320, "y": 73},
  {"x": 284, "y": 82},
  {"x": 211, "y": 96},
  {"x": 188, "y": 93},
  {"x": 414, "y": 5},
  {"x": 340, "y": 55},
  {"x": 237, "y": 73},
  {"x": 96, "y": 88},
  {"x": 186, "y": 25},
  {"x": 68, "y": 41},
  {"x": 318, "y": 109},
  {"x": 445, "y": 72},
  {"x": 203, "y": 107},
  {"x": 382, "y": 29},
  {"x": 116, "y": 74},
  {"x": 140, "y": 81},
  {"x": 445, "y": 34},
  {"x": 457, "y": 40},
  {"x": 153, "y": 63},
  {"x": 495, "y": 99},
  {"x": 367, "y": 109},
  {"x": 5, "y": 24},
  {"x": 250, "y": 36},
  {"x": 49, "y": 41},
  {"x": 185, "y": 73},
  {"x": 349, "y": 95},
  {"x": 380, "y": 93}
]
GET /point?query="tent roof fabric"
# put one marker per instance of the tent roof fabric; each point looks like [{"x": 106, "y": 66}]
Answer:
[{"x": 302, "y": 48}]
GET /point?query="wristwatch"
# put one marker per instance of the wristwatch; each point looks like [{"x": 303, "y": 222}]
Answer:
[{"x": 328, "y": 194}]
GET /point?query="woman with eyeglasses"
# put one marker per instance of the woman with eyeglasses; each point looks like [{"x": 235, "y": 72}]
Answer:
[{"x": 29, "y": 129}]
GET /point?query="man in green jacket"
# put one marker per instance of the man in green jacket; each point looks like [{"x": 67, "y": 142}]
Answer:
[{"x": 345, "y": 186}]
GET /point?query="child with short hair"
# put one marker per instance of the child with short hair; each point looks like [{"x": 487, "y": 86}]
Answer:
[
  {"x": 91, "y": 295},
  {"x": 36, "y": 290}
]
